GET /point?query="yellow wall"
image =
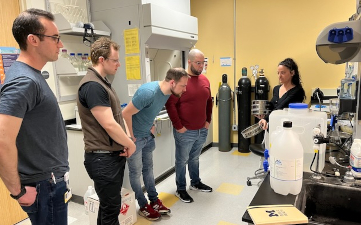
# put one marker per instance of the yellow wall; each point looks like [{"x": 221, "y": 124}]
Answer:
[{"x": 267, "y": 33}]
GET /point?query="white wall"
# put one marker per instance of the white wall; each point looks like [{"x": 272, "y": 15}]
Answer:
[
  {"x": 39, "y": 4},
  {"x": 177, "y": 5}
]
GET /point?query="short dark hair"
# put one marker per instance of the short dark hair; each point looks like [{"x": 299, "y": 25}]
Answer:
[
  {"x": 28, "y": 23},
  {"x": 102, "y": 48},
  {"x": 175, "y": 74}
]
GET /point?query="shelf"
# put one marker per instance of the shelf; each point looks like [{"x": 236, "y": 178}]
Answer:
[
  {"x": 78, "y": 74},
  {"x": 65, "y": 68},
  {"x": 66, "y": 28}
]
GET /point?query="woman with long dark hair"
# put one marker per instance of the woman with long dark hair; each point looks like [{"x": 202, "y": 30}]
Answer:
[{"x": 290, "y": 89}]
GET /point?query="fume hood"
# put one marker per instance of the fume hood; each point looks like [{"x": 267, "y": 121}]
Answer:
[
  {"x": 167, "y": 29},
  {"x": 159, "y": 26},
  {"x": 156, "y": 27}
]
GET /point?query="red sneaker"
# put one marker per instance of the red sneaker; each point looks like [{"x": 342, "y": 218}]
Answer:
[
  {"x": 159, "y": 207},
  {"x": 149, "y": 213}
]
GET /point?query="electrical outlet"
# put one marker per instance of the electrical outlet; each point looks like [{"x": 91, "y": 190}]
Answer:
[{"x": 234, "y": 127}]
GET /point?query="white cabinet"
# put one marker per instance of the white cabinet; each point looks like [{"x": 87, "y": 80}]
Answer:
[
  {"x": 164, "y": 153},
  {"x": 79, "y": 178},
  {"x": 163, "y": 157},
  {"x": 67, "y": 80}
]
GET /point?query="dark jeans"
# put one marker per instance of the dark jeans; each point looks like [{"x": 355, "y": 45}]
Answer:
[
  {"x": 188, "y": 147},
  {"x": 107, "y": 171},
  {"x": 49, "y": 207}
]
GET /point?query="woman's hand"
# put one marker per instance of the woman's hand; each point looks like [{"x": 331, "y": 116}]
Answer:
[
  {"x": 263, "y": 123},
  {"x": 260, "y": 116}
]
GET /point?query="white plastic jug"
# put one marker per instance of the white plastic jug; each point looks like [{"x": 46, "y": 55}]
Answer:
[
  {"x": 355, "y": 158},
  {"x": 88, "y": 192},
  {"x": 286, "y": 162},
  {"x": 303, "y": 121}
]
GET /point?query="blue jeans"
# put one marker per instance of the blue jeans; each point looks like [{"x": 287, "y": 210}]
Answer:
[
  {"x": 188, "y": 147},
  {"x": 107, "y": 171},
  {"x": 141, "y": 163},
  {"x": 49, "y": 207}
]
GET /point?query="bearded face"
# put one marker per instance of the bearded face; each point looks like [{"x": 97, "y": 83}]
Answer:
[{"x": 196, "y": 69}]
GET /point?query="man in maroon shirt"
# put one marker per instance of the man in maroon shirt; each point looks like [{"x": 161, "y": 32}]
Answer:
[{"x": 191, "y": 115}]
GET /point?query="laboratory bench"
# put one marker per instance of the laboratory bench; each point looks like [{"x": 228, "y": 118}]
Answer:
[{"x": 266, "y": 196}]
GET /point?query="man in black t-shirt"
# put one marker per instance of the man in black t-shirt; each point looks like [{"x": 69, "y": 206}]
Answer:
[
  {"x": 105, "y": 138},
  {"x": 33, "y": 143}
]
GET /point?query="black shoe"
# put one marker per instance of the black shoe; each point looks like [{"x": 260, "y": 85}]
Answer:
[
  {"x": 184, "y": 196},
  {"x": 201, "y": 187}
]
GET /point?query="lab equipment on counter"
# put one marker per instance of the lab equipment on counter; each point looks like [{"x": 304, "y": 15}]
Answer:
[
  {"x": 260, "y": 107},
  {"x": 223, "y": 102},
  {"x": 303, "y": 121},
  {"x": 286, "y": 162},
  {"x": 244, "y": 109},
  {"x": 252, "y": 131},
  {"x": 355, "y": 158}
]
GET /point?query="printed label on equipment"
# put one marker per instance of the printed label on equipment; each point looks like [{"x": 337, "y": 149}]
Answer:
[
  {"x": 355, "y": 161},
  {"x": 286, "y": 169}
]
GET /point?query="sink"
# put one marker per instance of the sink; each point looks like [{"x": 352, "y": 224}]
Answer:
[{"x": 330, "y": 202}]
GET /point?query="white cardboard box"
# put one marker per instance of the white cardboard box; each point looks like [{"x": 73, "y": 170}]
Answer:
[{"x": 127, "y": 215}]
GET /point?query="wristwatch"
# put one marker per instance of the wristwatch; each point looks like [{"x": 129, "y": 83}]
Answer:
[{"x": 22, "y": 192}]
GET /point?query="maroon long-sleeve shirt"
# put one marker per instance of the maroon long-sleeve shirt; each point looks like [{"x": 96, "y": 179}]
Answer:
[{"x": 194, "y": 107}]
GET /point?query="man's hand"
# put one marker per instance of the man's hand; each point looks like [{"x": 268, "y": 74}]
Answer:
[
  {"x": 206, "y": 125},
  {"x": 133, "y": 138},
  {"x": 183, "y": 130},
  {"x": 29, "y": 198},
  {"x": 128, "y": 151},
  {"x": 153, "y": 129}
]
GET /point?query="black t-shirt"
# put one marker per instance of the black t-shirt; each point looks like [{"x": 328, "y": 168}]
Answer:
[
  {"x": 294, "y": 95},
  {"x": 93, "y": 94},
  {"x": 41, "y": 141}
]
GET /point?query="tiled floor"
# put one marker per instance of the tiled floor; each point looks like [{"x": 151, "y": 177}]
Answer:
[{"x": 225, "y": 172}]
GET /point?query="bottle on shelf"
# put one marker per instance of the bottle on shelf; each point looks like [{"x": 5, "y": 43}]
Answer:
[
  {"x": 74, "y": 62},
  {"x": 84, "y": 63},
  {"x": 80, "y": 62},
  {"x": 90, "y": 64},
  {"x": 64, "y": 54},
  {"x": 88, "y": 193},
  {"x": 78, "y": 56}
]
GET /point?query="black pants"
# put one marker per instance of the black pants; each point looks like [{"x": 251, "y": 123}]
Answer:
[{"x": 107, "y": 171}]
